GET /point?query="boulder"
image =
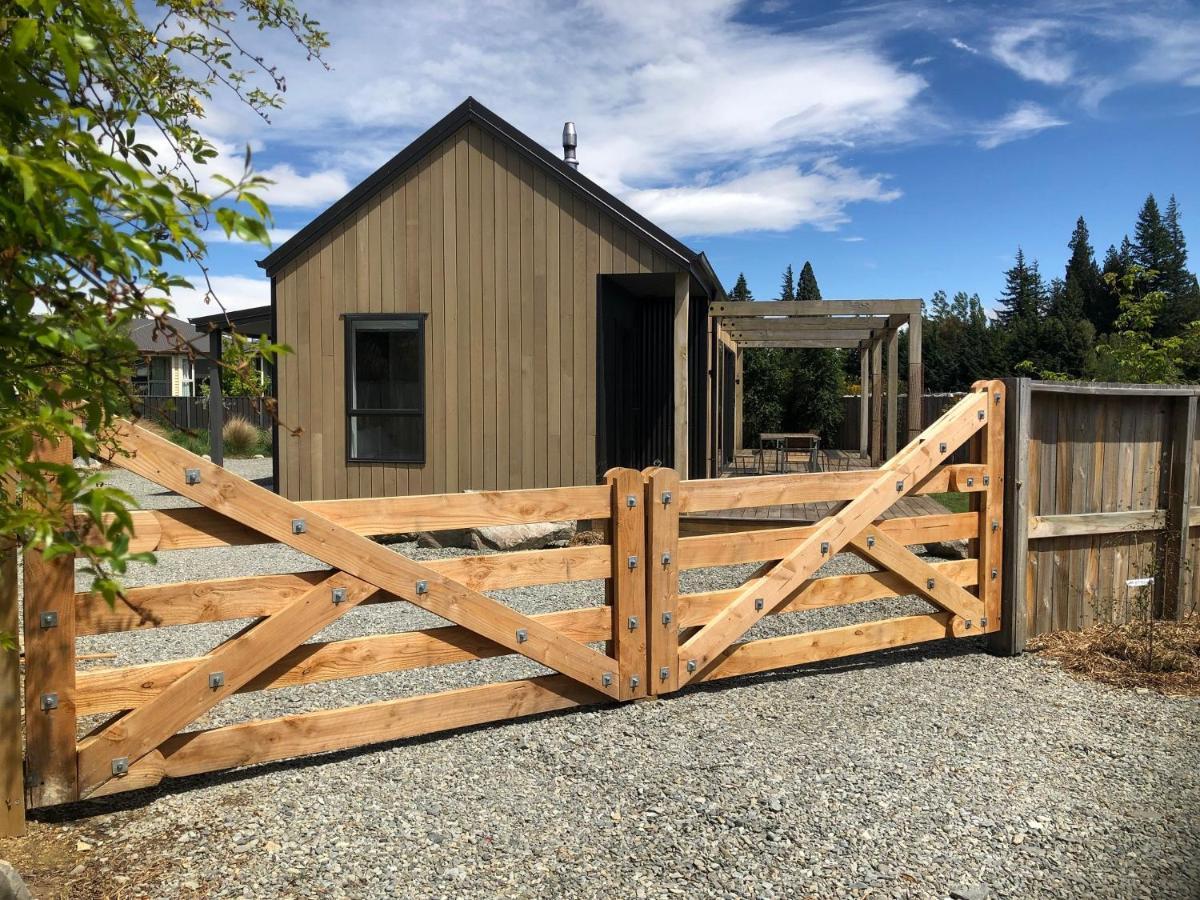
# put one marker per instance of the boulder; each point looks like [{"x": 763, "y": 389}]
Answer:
[
  {"x": 502, "y": 537},
  {"x": 948, "y": 550},
  {"x": 11, "y": 885}
]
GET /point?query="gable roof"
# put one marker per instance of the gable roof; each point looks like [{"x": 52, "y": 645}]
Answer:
[
  {"x": 145, "y": 334},
  {"x": 471, "y": 110}
]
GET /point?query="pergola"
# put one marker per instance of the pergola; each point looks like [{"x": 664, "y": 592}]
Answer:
[{"x": 865, "y": 325}]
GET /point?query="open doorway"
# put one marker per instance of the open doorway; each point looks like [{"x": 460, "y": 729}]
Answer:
[{"x": 635, "y": 424}]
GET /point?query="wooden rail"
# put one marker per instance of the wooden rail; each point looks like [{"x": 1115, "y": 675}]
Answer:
[{"x": 650, "y": 631}]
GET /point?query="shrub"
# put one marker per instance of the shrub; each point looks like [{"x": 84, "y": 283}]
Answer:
[{"x": 240, "y": 435}]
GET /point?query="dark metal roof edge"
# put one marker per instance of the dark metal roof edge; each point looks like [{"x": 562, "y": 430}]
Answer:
[
  {"x": 471, "y": 110},
  {"x": 233, "y": 316}
]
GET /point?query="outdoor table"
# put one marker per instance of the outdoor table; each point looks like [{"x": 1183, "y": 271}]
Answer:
[{"x": 783, "y": 441}]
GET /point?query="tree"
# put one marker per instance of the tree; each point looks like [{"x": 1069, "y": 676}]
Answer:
[
  {"x": 817, "y": 377},
  {"x": 1133, "y": 352},
  {"x": 741, "y": 291},
  {"x": 787, "y": 288},
  {"x": 94, "y": 215},
  {"x": 1085, "y": 292},
  {"x": 808, "y": 289},
  {"x": 956, "y": 342}
]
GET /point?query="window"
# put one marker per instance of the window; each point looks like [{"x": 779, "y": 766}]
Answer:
[{"x": 385, "y": 388}]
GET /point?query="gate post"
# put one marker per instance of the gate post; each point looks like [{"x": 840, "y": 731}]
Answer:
[
  {"x": 991, "y": 505},
  {"x": 662, "y": 578},
  {"x": 627, "y": 586},
  {"x": 50, "y": 751},
  {"x": 12, "y": 791}
]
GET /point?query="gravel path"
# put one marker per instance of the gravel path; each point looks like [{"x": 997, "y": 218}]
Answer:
[{"x": 919, "y": 772}]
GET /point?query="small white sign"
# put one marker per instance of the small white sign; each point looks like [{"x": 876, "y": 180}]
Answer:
[{"x": 1139, "y": 582}]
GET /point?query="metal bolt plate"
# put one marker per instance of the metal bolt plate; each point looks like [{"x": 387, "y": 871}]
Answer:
[
  {"x": 929, "y": 583},
  {"x": 120, "y": 766},
  {"x": 48, "y": 620},
  {"x": 824, "y": 547},
  {"x": 997, "y": 396},
  {"x": 298, "y": 526},
  {"x": 995, "y": 524},
  {"x": 664, "y": 673},
  {"x": 870, "y": 540},
  {"x": 900, "y": 487},
  {"x": 971, "y": 481},
  {"x": 216, "y": 680},
  {"x": 634, "y": 681},
  {"x": 983, "y": 623},
  {"x": 969, "y": 623},
  {"x": 632, "y": 623},
  {"x": 632, "y": 562},
  {"x": 422, "y": 587},
  {"x": 606, "y": 679},
  {"x": 522, "y": 635},
  {"x": 942, "y": 447},
  {"x": 987, "y": 479},
  {"x": 995, "y": 574},
  {"x": 666, "y": 559},
  {"x": 631, "y": 501},
  {"x": 49, "y": 701},
  {"x": 980, "y": 415},
  {"x": 691, "y": 666},
  {"x": 666, "y": 498},
  {"x": 666, "y": 618},
  {"x": 191, "y": 476},
  {"x": 758, "y": 603},
  {"x": 339, "y": 595}
]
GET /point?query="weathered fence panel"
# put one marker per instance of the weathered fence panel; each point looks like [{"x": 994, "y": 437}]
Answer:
[
  {"x": 1102, "y": 492},
  {"x": 191, "y": 413}
]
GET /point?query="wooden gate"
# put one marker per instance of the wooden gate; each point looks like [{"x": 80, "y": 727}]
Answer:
[{"x": 654, "y": 638}]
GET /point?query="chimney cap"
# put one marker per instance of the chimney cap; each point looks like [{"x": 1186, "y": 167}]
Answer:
[{"x": 570, "y": 140}]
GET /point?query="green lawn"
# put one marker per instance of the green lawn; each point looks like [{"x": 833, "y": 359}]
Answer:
[{"x": 955, "y": 501}]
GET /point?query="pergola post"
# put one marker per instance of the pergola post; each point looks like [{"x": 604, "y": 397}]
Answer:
[
  {"x": 682, "y": 285},
  {"x": 915, "y": 387},
  {"x": 738, "y": 433},
  {"x": 216, "y": 404},
  {"x": 876, "y": 401},
  {"x": 864, "y": 397},
  {"x": 893, "y": 364}
]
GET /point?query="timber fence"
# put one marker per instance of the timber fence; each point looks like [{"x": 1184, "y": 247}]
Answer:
[
  {"x": 1103, "y": 495},
  {"x": 102, "y": 730},
  {"x": 192, "y": 413}
]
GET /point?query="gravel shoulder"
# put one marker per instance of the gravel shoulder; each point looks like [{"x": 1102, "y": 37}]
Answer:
[{"x": 910, "y": 773}]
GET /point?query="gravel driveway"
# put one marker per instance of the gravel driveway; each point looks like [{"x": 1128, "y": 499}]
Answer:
[{"x": 923, "y": 772}]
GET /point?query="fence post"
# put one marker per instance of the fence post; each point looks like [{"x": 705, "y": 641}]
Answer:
[
  {"x": 12, "y": 792},
  {"x": 662, "y": 578},
  {"x": 50, "y": 755},
  {"x": 1010, "y": 639},
  {"x": 1176, "y": 485},
  {"x": 991, "y": 506},
  {"x": 627, "y": 586}
]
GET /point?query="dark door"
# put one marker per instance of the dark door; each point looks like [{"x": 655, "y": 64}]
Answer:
[
  {"x": 634, "y": 411},
  {"x": 728, "y": 388}
]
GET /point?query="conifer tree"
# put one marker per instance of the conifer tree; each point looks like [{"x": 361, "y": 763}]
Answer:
[
  {"x": 741, "y": 291},
  {"x": 787, "y": 287},
  {"x": 1084, "y": 291},
  {"x": 808, "y": 289}
]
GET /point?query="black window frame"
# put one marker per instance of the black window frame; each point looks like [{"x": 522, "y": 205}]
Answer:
[{"x": 420, "y": 412}]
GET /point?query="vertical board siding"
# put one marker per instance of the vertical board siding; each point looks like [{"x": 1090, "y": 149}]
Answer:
[
  {"x": 1100, "y": 453},
  {"x": 505, "y": 263}
]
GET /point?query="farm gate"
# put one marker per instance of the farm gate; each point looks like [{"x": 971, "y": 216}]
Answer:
[{"x": 96, "y": 731}]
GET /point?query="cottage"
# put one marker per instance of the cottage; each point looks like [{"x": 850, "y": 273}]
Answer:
[{"x": 478, "y": 314}]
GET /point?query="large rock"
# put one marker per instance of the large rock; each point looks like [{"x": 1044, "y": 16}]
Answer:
[
  {"x": 503, "y": 537},
  {"x": 948, "y": 549},
  {"x": 11, "y": 885}
]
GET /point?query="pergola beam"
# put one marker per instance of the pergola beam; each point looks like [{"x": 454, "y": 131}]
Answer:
[
  {"x": 799, "y": 344},
  {"x": 848, "y": 338},
  {"x": 821, "y": 308},
  {"x": 811, "y": 323}
]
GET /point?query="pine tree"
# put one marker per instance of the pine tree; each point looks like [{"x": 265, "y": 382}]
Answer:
[
  {"x": 741, "y": 291},
  {"x": 1024, "y": 293},
  {"x": 1175, "y": 281},
  {"x": 1152, "y": 246},
  {"x": 808, "y": 289},
  {"x": 787, "y": 288},
  {"x": 1084, "y": 292}
]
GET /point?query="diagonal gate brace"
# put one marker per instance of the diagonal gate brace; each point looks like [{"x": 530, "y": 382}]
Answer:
[{"x": 888, "y": 553}]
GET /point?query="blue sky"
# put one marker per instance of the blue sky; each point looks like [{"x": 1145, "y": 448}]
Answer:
[{"x": 901, "y": 147}]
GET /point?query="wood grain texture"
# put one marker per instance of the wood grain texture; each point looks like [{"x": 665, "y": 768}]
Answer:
[
  {"x": 12, "y": 748},
  {"x": 662, "y": 579}
]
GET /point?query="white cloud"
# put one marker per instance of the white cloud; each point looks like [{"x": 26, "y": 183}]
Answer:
[
  {"x": 1024, "y": 121},
  {"x": 922, "y": 60},
  {"x": 854, "y": 239},
  {"x": 233, "y": 292},
  {"x": 686, "y": 118},
  {"x": 963, "y": 45},
  {"x": 312, "y": 191},
  {"x": 1033, "y": 52}
]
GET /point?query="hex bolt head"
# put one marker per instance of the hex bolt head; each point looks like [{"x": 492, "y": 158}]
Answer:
[
  {"x": 691, "y": 665},
  {"x": 666, "y": 618},
  {"x": 632, "y": 561},
  {"x": 995, "y": 574},
  {"x": 631, "y": 501},
  {"x": 870, "y": 540},
  {"x": 120, "y": 766},
  {"x": 664, "y": 673},
  {"x": 339, "y": 596},
  {"x": 522, "y": 635},
  {"x": 758, "y": 603},
  {"x": 49, "y": 701},
  {"x": 929, "y": 583},
  {"x": 298, "y": 526},
  {"x": 632, "y": 623},
  {"x": 970, "y": 481},
  {"x": 191, "y": 476},
  {"x": 48, "y": 619},
  {"x": 666, "y": 498},
  {"x": 634, "y": 681},
  {"x": 666, "y": 559},
  {"x": 606, "y": 679},
  {"x": 422, "y": 587},
  {"x": 216, "y": 680}
]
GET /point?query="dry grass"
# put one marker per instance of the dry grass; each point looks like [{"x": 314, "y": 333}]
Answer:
[
  {"x": 587, "y": 538},
  {"x": 240, "y": 435},
  {"x": 1165, "y": 658}
]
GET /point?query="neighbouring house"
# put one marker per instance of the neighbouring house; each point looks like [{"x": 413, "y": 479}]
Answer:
[
  {"x": 166, "y": 367},
  {"x": 479, "y": 314}
]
